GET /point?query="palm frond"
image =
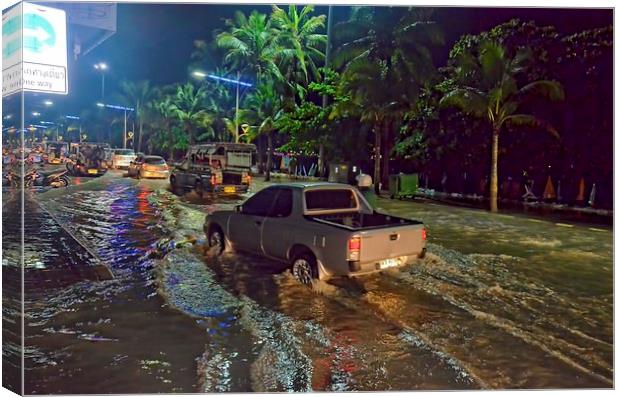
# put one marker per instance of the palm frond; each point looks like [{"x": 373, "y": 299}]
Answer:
[
  {"x": 467, "y": 100},
  {"x": 546, "y": 89},
  {"x": 528, "y": 120},
  {"x": 492, "y": 61}
]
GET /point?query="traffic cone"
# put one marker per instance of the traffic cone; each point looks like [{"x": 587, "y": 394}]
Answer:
[
  {"x": 581, "y": 195},
  {"x": 549, "y": 193}
]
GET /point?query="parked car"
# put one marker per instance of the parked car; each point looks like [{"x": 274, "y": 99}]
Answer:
[
  {"x": 121, "y": 158},
  {"x": 216, "y": 168},
  {"x": 149, "y": 167},
  {"x": 320, "y": 229}
]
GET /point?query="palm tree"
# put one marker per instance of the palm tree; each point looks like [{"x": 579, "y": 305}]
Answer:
[
  {"x": 188, "y": 105},
  {"x": 264, "y": 109},
  {"x": 382, "y": 108},
  {"x": 138, "y": 95},
  {"x": 385, "y": 47},
  {"x": 248, "y": 43},
  {"x": 487, "y": 87},
  {"x": 167, "y": 116},
  {"x": 400, "y": 37},
  {"x": 300, "y": 47}
]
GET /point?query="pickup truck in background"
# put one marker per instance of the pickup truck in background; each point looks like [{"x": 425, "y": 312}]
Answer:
[
  {"x": 215, "y": 168},
  {"x": 322, "y": 230}
]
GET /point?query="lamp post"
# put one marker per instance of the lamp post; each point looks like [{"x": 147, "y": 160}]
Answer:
[
  {"x": 238, "y": 84},
  {"x": 102, "y": 67},
  {"x": 125, "y": 110}
]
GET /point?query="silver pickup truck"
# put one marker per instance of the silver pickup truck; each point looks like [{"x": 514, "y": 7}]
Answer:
[{"x": 322, "y": 230}]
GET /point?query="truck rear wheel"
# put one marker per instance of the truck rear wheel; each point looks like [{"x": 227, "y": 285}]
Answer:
[{"x": 304, "y": 269}]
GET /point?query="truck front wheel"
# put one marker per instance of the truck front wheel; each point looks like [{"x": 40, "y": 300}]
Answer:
[
  {"x": 200, "y": 190},
  {"x": 304, "y": 269},
  {"x": 216, "y": 240}
]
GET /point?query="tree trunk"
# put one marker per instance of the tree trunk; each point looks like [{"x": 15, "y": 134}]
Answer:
[
  {"x": 493, "y": 184},
  {"x": 377, "y": 173},
  {"x": 386, "y": 155},
  {"x": 269, "y": 156},
  {"x": 140, "y": 135},
  {"x": 190, "y": 131},
  {"x": 261, "y": 153},
  {"x": 321, "y": 164}
]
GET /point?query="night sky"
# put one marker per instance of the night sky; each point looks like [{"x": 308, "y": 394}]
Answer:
[{"x": 154, "y": 41}]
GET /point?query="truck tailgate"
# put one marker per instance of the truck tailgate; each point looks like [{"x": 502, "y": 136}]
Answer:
[{"x": 391, "y": 242}]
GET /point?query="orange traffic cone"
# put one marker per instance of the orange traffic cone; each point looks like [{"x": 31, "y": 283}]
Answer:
[
  {"x": 581, "y": 195},
  {"x": 549, "y": 193}
]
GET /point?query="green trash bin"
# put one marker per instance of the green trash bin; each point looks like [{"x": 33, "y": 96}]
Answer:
[{"x": 403, "y": 185}]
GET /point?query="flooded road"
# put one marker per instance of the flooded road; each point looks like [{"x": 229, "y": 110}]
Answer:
[{"x": 501, "y": 301}]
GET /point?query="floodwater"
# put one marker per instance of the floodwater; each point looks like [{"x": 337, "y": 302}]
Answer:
[{"x": 501, "y": 301}]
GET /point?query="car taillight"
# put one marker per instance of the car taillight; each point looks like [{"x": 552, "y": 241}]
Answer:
[
  {"x": 355, "y": 244},
  {"x": 423, "y": 233}
]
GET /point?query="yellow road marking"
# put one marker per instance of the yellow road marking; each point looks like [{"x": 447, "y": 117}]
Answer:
[{"x": 564, "y": 225}]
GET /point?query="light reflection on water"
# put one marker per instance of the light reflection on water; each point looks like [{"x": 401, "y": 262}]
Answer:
[{"x": 499, "y": 302}]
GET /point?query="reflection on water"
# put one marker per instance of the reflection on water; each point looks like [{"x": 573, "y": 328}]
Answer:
[
  {"x": 499, "y": 302},
  {"x": 83, "y": 335}
]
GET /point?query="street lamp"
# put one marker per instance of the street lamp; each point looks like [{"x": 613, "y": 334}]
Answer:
[
  {"x": 125, "y": 110},
  {"x": 238, "y": 83},
  {"x": 102, "y": 67},
  {"x": 36, "y": 114}
]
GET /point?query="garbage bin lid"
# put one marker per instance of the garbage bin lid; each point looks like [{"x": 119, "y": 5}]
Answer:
[{"x": 364, "y": 180}]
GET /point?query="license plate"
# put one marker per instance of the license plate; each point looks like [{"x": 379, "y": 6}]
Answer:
[
  {"x": 92, "y": 171},
  {"x": 229, "y": 189},
  {"x": 388, "y": 263}
]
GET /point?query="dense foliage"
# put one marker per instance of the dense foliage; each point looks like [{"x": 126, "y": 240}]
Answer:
[{"x": 385, "y": 105}]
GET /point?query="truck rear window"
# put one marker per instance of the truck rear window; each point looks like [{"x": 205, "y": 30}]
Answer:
[{"x": 330, "y": 199}]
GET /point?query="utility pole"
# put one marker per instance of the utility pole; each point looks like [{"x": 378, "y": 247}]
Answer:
[
  {"x": 237, "y": 110},
  {"x": 125, "y": 132},
  {"x": 102, "y": 85},
  {"x": 321, "y": 164}
]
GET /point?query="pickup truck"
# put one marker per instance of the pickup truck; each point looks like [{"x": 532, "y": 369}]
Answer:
[
  {"x": 322, "y": 230},
  {"x": 222, "y": 167}
]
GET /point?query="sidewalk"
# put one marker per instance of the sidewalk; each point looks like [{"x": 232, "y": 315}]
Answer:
[{"x": 476, "y": 200}]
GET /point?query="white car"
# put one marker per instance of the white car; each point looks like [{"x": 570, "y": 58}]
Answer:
[
  {"x": 122, "y": 158},
  {"x": 149, "y": 167}
]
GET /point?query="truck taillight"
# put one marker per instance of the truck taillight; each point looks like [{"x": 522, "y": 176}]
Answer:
[
  {"x": 213, "y": 180},
  {"x": 355, "y": 244},
  {"x": 423, "y": 233}
]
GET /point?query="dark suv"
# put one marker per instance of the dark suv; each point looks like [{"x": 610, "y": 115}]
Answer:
[{"x": 191, "y": 176}]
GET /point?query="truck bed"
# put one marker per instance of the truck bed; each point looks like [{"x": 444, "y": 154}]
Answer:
[{"x": 358, "y": 221}]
